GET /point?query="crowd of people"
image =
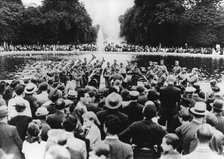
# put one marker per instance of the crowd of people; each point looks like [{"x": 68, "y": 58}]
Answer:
[
  {"x": 61, "y": 110},
  {"x": 110, "y": 47}
]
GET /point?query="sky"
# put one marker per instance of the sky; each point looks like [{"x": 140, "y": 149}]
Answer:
[{"x": 103, "y": 12}]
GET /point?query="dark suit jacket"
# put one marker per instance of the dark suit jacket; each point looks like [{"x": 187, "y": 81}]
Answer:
[
  {"x": 133, "y": 111},
  {"x": 118, "y": 149},
  {"x": 104, "y": 113},
  {"x": 10, "y": 142},
  {"x": 220, "y": 125},
  {"x": 55, "y": 120},
  {"x": 169, "y": 96},
  {"x": 21, "y": 123},
  {"x": 33, "y": 103},
  {"x": 142, "y": 99}
]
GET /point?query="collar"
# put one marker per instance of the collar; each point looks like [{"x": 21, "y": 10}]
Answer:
[{"x": 111, "y": 137}]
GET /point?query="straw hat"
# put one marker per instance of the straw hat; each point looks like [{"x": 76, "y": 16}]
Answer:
[
  {"x": 199, "y": 108},
  {"x": 113, "y": 101},
  {"x": 30, "y": 88}
]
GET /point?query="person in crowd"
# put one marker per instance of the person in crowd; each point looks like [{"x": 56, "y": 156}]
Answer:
[
  {"x": 19, "y": 90},
  {"x": 193, "y": 76},
  {"x": 204, "y": 135},
  {"x": 91, "y": 128},
  {"x": 21, "y": 121},
  {"x": 142, "y": 98},
  {"x": 118, "y": 149},
  {"x": 93, "y": 103},
  {"x": 106, "y": 74},
  {"x": 169, "y": 145},
  {"x": 10, "y": 141},
  {"x": 187, "y": 131},
  {"x": 50, "y": 105},
  {"x": 176, "y": 68},
  {"x": 2, "y": 90},
  {"x": 33, "y": 146},
  {"x": 101, "y": 151},
  {"x": 182, "y": 116},
  {"x": 79, "y": 144},
  {"x": 133, "y": 110},
  {"x": 41, "y": 114},
  {"x": 113, "y": 102},
  {"x": 57, "y": 152},
  {"x": 217, "y": 140},
  {"x": 169, "y": 97},
  {"x": 217, "y": 109},
  {"x": 30, "y": 91},
  {"x": 149, "y": 145},
  {"x": 83, "y": 100},
  {"x": 55, "y": 120},
  {"x": 43, "y": 96}
]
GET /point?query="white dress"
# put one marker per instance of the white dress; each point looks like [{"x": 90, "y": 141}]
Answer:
[{"x": 34, "y": 150}]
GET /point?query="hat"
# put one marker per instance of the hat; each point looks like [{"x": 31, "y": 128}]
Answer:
[
  {"x": 217, "y": 104},
  {"x": 199, "y": 108},
  {"x": 134, "y": 93},
  {"x": 43, "y": 86},
  {"x": 72, "y": 94},
  {"x": 113, "y": 101},
  {"x": 3, "y": 111},
  {"x": 54, "y": 95},
  {"x": 190, "y": 89},
  {"x": 140, "y": 89},
  {"x": 41, "y": 111},
  {"x": 30, "y": 88}
]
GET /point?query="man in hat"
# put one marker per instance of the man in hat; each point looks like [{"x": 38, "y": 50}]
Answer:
[
  {"x": 113, "y": 102},
  {"x": 10, "y": 142},
  {"x": 41, "y": 114},
  {"x": 144, "y": 134},
  {"x": 30, "y": 90},
  {"x": 182, "y": 116},
  {"x": 187, "y": 131},
  {"x": 133, "y": 110},
  {"x": 2, "y": 90},
  {"x": 21, "y": 121},
  {"x": 19, "y": 90},
  {"x": 217, "y": 109},
  {"x": 55, "y": 120}
]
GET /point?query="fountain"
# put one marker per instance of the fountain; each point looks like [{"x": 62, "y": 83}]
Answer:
[{"x": 100, "y": 40}]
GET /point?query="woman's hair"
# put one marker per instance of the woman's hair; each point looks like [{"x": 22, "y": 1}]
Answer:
[
  {"x": 33, "y": 132},
  {"x": 91, "y": 116}
]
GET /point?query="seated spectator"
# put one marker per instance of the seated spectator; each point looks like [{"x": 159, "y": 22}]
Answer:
[{"x": 57, "y": 152}]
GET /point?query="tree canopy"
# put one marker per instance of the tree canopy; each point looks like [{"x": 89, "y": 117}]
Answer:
[
  {"x": 56, "y": 21},
  {"x": 174, "y": 22}
]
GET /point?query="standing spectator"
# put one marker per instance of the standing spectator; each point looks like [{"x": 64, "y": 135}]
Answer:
[
  {"x": 170, "y": 98},
  {"x": 30, "y": 90},
  {"x": 133, "y": 110},
  {"x": 106, "y": 74},
  {"x": 57, "y": 152},
  {"x": 113, "y": 102},
  {"x": 169, "y": 145},
  {"x": 176, "y": 68},
  {"x": 90, "y": 128},
  {"x": 217, "y": 109},
  {"x": 21, "y": 121},
  {"x": 2, "y": 90},
  {"x": 187, "y": 131},
  {"x": 83, "y": 97},
  {"x": 43, "y": 96},
  {"x": 55, "y": 120},
  {"x": 33, "y": 146},
  {"x": 204, "y": 135},
  {"x": 19, "y": 90},
  {"x": 118, "y": 149},
  {"x": 41, "y": 115},
  {"x": 142, "y": 98},
  {"x": 10, "y": 142},
  {"x": 145, "y": 134}
]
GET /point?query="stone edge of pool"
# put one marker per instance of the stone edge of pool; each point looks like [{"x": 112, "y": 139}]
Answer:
[{"x": 30, "y": 53}]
